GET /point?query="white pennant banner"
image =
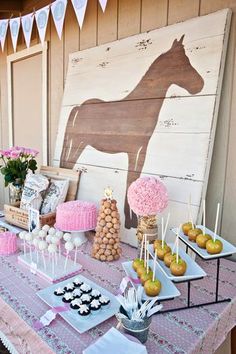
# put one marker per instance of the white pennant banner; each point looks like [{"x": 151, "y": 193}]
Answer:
[
  {"x": 103, "y": 4},
  {"x": 3, "y": 32},
  {"x": 58, "y": 9},
  {"x": 27, "y": 25},
  {"x": 14, "y": 28},
  {"x": 41, "y": 17},
  {"x": 80, "y": 8}
]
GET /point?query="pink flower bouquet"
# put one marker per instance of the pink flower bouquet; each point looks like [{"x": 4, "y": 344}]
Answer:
[
  {"x": 17, "y": 161},
  {"x": 147, "y": 196}
]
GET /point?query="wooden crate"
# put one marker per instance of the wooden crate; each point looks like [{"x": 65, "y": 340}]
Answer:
[{"x": 19, "y": 217}]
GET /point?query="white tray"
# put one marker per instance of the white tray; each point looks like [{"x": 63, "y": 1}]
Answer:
[
  {"x": 71, "y": 316},
  {"x": 194, "y": 271},
  {"x": 228, "y": 248},
  {"x": 168, "y": 289}
]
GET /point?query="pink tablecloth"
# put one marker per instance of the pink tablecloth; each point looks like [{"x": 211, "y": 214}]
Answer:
[{"x": 199, "y": 330}]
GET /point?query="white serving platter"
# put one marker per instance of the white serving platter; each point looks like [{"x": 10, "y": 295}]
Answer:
[
  {"x": 168, "y": 289},
  {"x": 71, "y": 316},
  {"x": 228, "y": 248},
  {"x": 194, "y": 271}
]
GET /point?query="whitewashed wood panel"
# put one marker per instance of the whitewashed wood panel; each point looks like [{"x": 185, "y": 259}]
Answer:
[{"x": 180, "y": 146}]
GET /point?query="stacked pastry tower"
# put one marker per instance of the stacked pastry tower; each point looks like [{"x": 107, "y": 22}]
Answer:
[{"x": 106, "y": 245}]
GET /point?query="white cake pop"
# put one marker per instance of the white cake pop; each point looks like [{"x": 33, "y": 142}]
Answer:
[
  {"x": 52, "y": 248},
  {"x": 77, "y": 241},
  {"x": 46, "y": 228},
  {"x": 22, "y": 235},
  {"x": 49, "y": 238},
  {"x": 42, "y": 245},
  {"x": 42, "y": 233},
  {"x": 29, "y": 237},
  {"x": 69, "y": 246},
  {"x": 36, "y": 242},
  {"x": 55, "y": 240},
  {"x": 67, "y": 236},
  {"x": 59, "y": 234},
  {"x": 52, "y": 231},
  {"x": 35, "y": 232}
]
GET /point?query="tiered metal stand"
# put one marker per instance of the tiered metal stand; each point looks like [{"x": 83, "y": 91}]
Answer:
[{"x": 216, "y": 301}]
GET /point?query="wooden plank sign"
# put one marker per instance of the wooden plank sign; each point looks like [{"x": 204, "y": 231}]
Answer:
[{"x": 145, "y": 105}]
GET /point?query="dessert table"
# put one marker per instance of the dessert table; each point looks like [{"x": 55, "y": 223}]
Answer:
[{"x": 199, "y": 330}]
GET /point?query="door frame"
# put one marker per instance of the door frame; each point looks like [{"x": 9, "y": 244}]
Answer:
[{"x": 12, "y": 58}]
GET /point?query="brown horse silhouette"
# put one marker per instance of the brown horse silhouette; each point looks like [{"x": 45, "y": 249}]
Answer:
[{"x": 127, "y": 125}]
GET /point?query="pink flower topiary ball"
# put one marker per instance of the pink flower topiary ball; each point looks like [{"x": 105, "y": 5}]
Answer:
[{"x": 147, "y": 196}]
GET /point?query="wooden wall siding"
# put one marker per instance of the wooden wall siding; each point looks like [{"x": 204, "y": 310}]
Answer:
[{"x": 152, "y": 14}]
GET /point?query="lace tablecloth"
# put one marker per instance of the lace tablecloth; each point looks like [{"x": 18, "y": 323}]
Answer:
[{"x": 199, "y": 330}]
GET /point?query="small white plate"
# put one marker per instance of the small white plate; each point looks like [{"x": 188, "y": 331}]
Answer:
[
  {"x": 194, "y": 271},
  {"x": 168, "y": 289},
  {"x": 71, "y": 316},
  {"x": 228, "y": 248}
]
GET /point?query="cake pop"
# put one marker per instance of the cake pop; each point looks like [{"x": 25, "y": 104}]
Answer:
[
  {"x": 42, "y": 234},
  {"x": 67, "y": 237},
  {"x": 35, "y": 232},
  {"x": 49, "y": 238},
  {"x": 46, "y": 228},
  {"x": 51, "y": 231},
  {"x": 59, "y": 234}
]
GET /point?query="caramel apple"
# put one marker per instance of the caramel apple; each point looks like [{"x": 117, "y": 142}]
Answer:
[
  {"x": 156, "y": 244},
  {"x": 186, "y": 227},
  {"x": 202, "y": 239},
  {"x": 169, "y": 258},
  {"x": 142, "y": 270},
  {"x": 193, "y": 233},
  {"x": 162, "y": 251},
  {"x": 146, "y": 276},
  {"x": 214, "y": 247},
  {"x": 136, "y": 263},
  {"x": 178, "y": 268},
  {"x": 152, "y": 288}
]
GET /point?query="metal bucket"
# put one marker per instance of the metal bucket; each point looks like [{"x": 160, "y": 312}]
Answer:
[{"x": 135, "y": 328}]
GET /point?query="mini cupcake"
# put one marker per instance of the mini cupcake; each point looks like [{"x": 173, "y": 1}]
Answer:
[
  {"x": 68, "y": 297},
  {"x": 86, "y": 288},
  {"x": 77, "y": 293},
  {"x": 59, "y": 292},
  {"x": 95, "y": 294},
  {"x": 85, "y": 299},
  {"x": 84, "y": 311},
  {"x": 69, "y": 287},
  {"x": 104, "y": 300},
  {"x": 78, "y": 282},
  {"x": 95, "y": 306},
  {"x": 75, "y": 304}
]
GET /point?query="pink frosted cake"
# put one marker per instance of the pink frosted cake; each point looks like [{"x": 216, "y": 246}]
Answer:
[
  {"x": 8, "y": 243},
  {"x": 76, "y": 215}
]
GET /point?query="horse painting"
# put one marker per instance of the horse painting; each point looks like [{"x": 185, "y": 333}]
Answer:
[{"x": 128, "y": 124}]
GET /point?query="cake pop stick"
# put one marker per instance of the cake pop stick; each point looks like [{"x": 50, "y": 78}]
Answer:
[
  {"x": 55, "y": 241},
  {"x": 22, "y": 237},
  {"x": 216, "y": 222},
  {"x": 154, "y": 268},
  {"x": 35, "y": 243},
  {"x": 166, "y": 225},
  {"x": 52, "y": 248},
  {"x": 204, "y": 217},
  {"x": 77, "y": 243},
  {"x": 69, "y": 247},
  {"x": 42, "y": 247},
  {"x": 29, "y": 238},
  {"x": 59, "y": 235},
  {"x": 141, "y": 251}
]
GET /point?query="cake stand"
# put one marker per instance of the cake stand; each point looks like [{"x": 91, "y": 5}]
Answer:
[{"x": 76, "y": 233}]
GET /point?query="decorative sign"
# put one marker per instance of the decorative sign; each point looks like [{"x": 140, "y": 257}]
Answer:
[
  {"x": 3, "y": 32},
  {"x": 103, "y": 4},
  {"x": 41, "y": 17},
  {"x": 34, "y": 222},
  {"x": 80, "y": 8},
  {"x": 58, "y": 9},
  {"x": 145, "y": 105},
  {"x": 27, "y": 25},
  {"x": 14, "y": 28}
]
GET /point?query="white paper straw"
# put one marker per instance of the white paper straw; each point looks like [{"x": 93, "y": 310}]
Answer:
[
  {"x": 141, "y": 251},
  {"x": 204, "y": 217},
  {"x": 147, "y": 256},
  {"x": 174, "y": 247},
  {"x": 217, "y": 218},
  {"x": 162, "y": 233},
  {"x": 154, "y": 268}
]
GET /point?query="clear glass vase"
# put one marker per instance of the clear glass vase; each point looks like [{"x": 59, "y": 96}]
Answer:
[
  {"x": 15, "y": 192},
  {"x": 147, "y": 225}
]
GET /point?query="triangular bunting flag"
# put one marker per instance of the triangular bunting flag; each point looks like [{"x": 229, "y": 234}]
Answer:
[
  {"x": 41, "y": 17},
  {"x": 58, "y": 9},
  {"x": 80, "y": 8},
  {"x": 3, "y": 32},
  {"x": 27, "y": 25},
  {"x": 103, "y": 4},
  {"x": 14, "y": 28}
]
